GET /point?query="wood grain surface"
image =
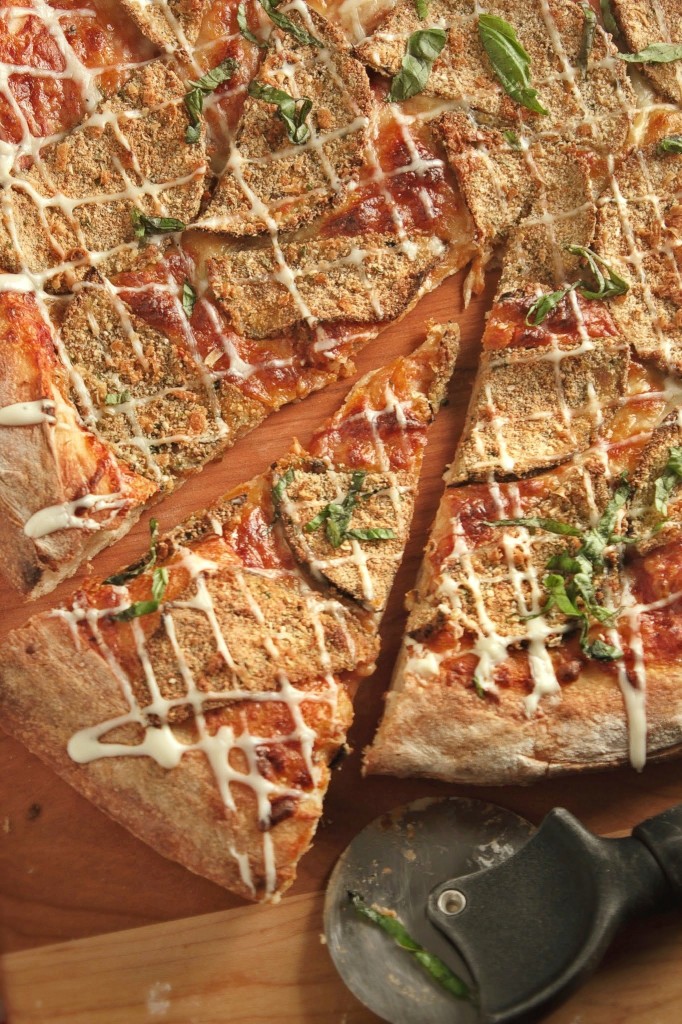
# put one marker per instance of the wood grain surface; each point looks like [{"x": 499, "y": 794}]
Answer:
[{"x": 69, "y": 873}]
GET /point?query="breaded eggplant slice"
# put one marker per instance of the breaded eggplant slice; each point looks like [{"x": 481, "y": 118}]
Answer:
[
  {"x": 270, "y": 183},
  {"x": 171, "y": 24},
  {"x": 653, "y": 21},
  {"x": 639, "y": 231},
  {"x": 592, "y": 107},
  {"x": 79, "y": 196},
  {"x": 366, "y": 278}
]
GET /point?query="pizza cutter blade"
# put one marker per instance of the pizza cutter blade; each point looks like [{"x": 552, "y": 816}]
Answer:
[
  {"x": 394, "y": 863},
  {"x": 526, "y": 915}
]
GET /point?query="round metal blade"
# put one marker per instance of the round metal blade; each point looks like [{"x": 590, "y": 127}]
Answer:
[{"x": 394, "y": 863}]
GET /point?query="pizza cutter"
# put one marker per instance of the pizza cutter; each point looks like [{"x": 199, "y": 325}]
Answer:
[{"x": 521, "y": 915}]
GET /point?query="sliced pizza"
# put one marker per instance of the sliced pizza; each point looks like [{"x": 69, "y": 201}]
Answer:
[{"x": 199, "y": 696}]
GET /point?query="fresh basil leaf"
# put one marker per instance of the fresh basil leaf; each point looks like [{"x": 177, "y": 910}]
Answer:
[
  {"x": 600, "y": 651},
  {"x": 144, "y": 225},
  {"x": 555, "y": 586},
  {"x": 610, "y": 23},
  {"x": 538, "y": 523},
  {"x": 609, "y": 516},
  {"x": 373, "y": 533},
  {"x": 568, "y": 564},
  {"x": 439, "y": 971},
  {"x": 422, "y": 9},
  {"x": 668, "y": 481},
  {"x": 194, "y": 99},
  {"x": 293, "y": 112},
  {"x": 512, "y": 139},
  {"x": 545, "y": 304},
  {"x": 608, "y": 285},
  {"x": 281, "y": 486},
  {"x": 478, "y": 685},
  {"x": 189, "y": 298},
  {"x": 422, "y": 49},
  {"x": 134, "y": 611},
  {"x": 671, "y": 144},
  {"x": 655, "y": 53},
  {"x": 509, "y": 60},
  {"x": 146, "y": 562},
  {"x": 281, "y": 21},
  {"x": 243, "y": 24},
  {"x": 587, "y": 42},
  {"x": 114, "y": 398}
]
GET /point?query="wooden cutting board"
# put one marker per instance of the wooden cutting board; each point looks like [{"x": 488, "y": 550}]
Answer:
[{"x": 155, "y": 943}]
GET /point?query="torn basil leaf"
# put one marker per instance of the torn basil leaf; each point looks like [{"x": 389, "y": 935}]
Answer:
[
  {"x": 287, "y": 25},
  {"x": 146, "y": 562},
  {"x": 189, "y": 298},
  {"x": 671, "y": 144},
  {"x": 546, "y": 304},
  {"x": 336, "y": 517},
  {"x": 509, "y": 60},
  {"x": 422, "y": 9},
  {"x": 668, "y": 481},
  {"x": 281, "y": 486},
  {"x": 655, "y": 53},
  {"x": 587, "y": 41},
  {"x": 422, "y": 49},
  {"x": 194, "y": 99},
  {"x": 117, "y": 398},
  {"x": 609, "y": 284},
  {"x": 538, "y": 523},
  {"x": 610, "y": 23},
  {"x": 243, "y": 24},
  {"x": 438, "y": 970},
  {"x": 134, "y": 611},
  {"x": 512, "y": 139},
  {"x": 293, "y": 112},
  {"x": 144, "y": 225},
  {"x": 599, "y": 650},
  {"x": 373, "y": 533}
]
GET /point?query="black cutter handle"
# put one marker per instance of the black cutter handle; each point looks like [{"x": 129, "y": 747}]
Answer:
[{"x": 662, "y": 836}]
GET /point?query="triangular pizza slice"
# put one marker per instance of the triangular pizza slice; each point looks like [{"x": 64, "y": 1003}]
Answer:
[{"x": 199, "y": 696}]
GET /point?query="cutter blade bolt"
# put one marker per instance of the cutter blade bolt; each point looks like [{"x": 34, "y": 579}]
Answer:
[{"x": 451, "y": 902}]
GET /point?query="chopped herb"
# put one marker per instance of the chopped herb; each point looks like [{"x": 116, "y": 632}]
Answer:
[
  {"x": 608, "y": 285},
  {"x": 655, "y": 53},
  {"x": 336, "y": 517},
  {"x": 512, "y": 139},
  {"x": 570, "y": 588},
  {"x": 671, "y": 144},
  {"x": 538, "y": 523},
  {"x": 374, "y": 533},
  {"x": 280, "y": 487},
  {"x": 421, "y": 50},
  {"x": 422, "y": 9},
  {"x": 610, "y": 22},
  {"x": 117, "y": 398},
  {"x": 546, "y": 304},
  {"x": 189, "y": 298},
  {"x": 438, "y": 970},
  {"x": 509, "y": 60},
  {"x": 293, "y": 112},
  {"x": 243, "y": 24},
  {"x": 146, "y": 562},
  {"x": 194, "y": 99},
  {"x": 589, "y": 29},
  {"x": 668, "y": 481},
  {"x": 144, "y": 225},
  {"x": 134, "y": 611},
  {"x": 281, "y": 21},
  {"x": 479, "y": 688}
]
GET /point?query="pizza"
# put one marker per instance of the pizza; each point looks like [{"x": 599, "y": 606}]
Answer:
[
  {"x": 199, "y": 696},
  {"x": 208, "y": 208},
  {"x": 189, "y": 260},
  {"x": 543, "y": 630}
]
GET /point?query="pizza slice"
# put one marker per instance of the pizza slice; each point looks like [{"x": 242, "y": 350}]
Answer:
[{"x": 199, "y": 696}]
